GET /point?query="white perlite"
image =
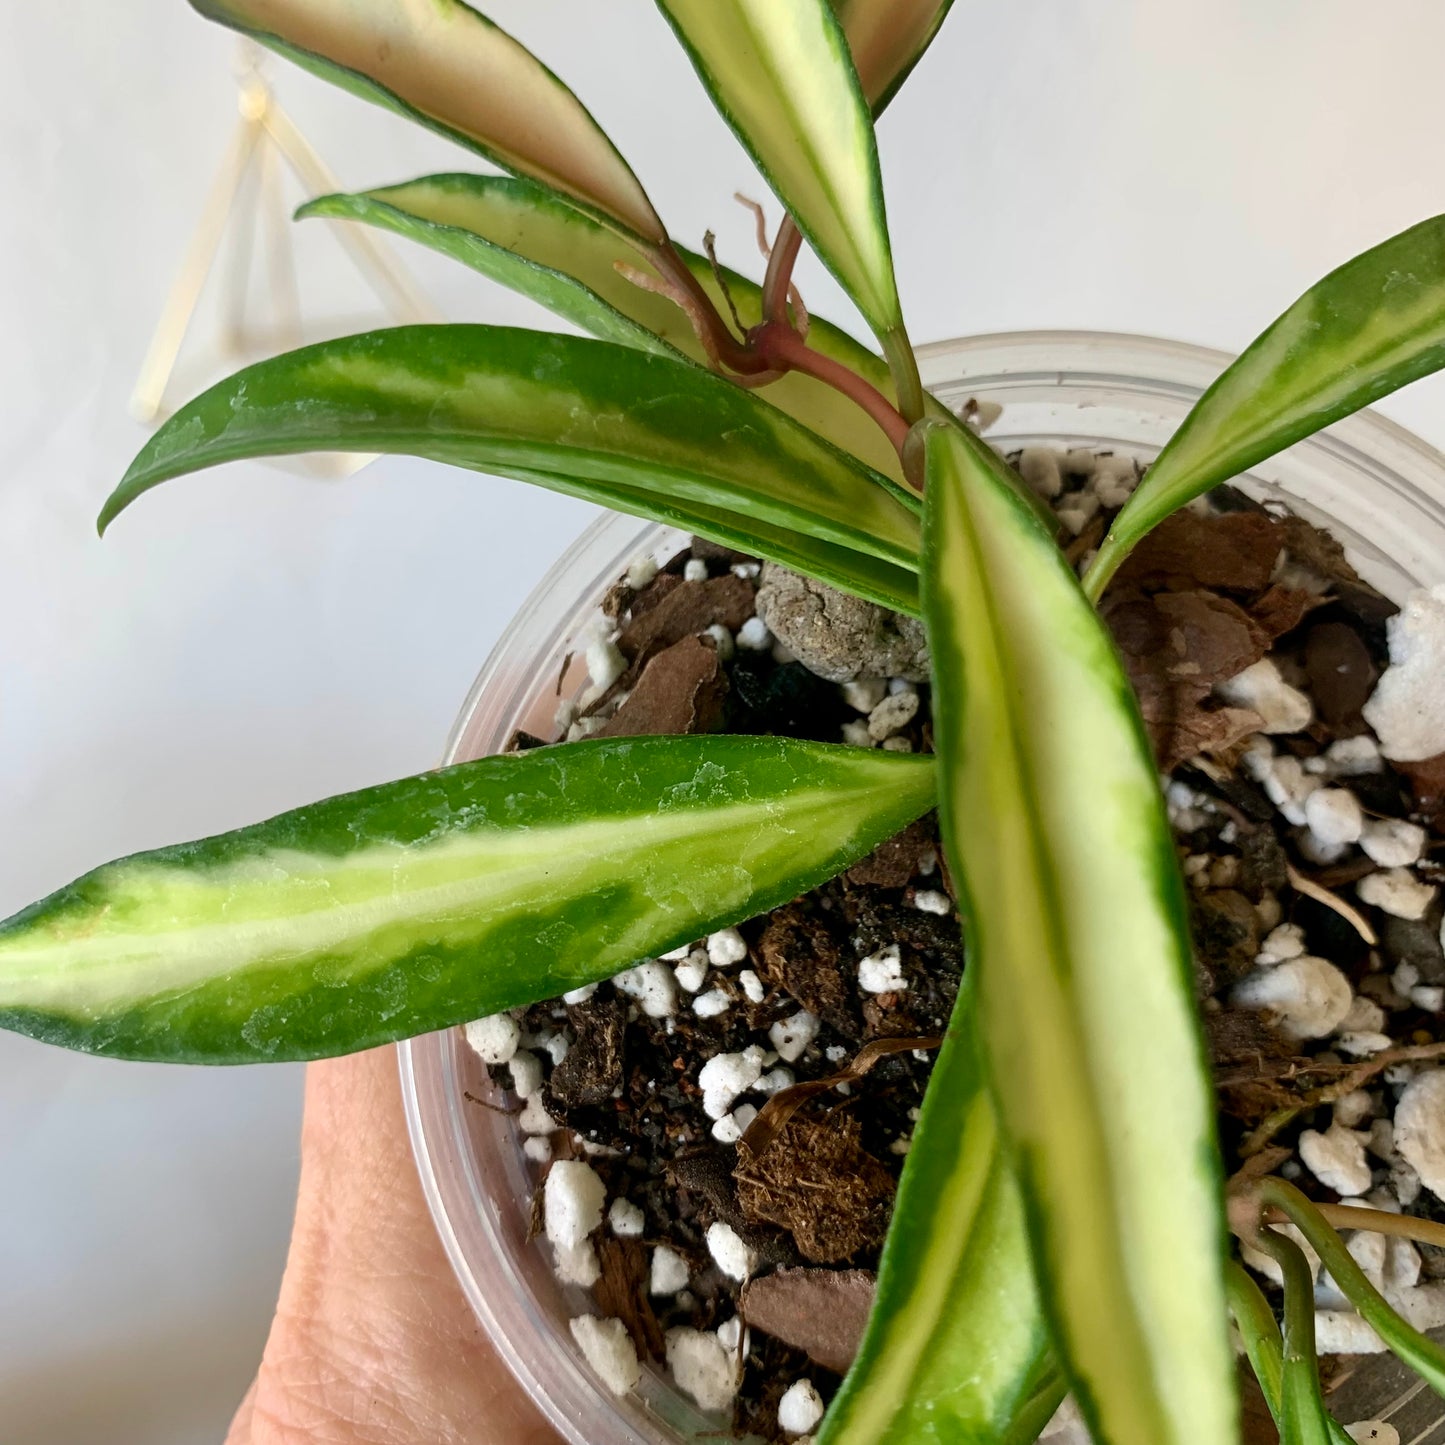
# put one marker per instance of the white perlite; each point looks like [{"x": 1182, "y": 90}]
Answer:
[
  {"x": 653, "y": 986},
  {"x": 605, "y": 664},
  {"x": 572, "y": 1202},
  {"x": 579, "y": 995},
  {"x": 1397, "y": 892},
  {"x": 526, "y": 1070},
  {"x": 892, "y": 715},
  {"x": 933, "y": 900},
  {"x": 1365, "y": 1016},
  {"x": 1337, "y": 1159},
  {"x": 726, "y": 947},
  {"x": 800, "y": 1408},
  {"x": 729, "y": 1252},
  {"x": 1343, "y": 1332},
  {"x": 1284, "y": 780},
  {"x": 1353, "y": 1108},
  {"x": 1420, "y": 1128},
  {"x": 881, "y": 972},
  {"x": 584, "y": 727},
  {"x": 1285, "y": 942},
  {"x": 577, "y": 1264},
  {"x": 534, "y": 1118},
  {"x": 1363, "y": 1045},
  {"x": 1353, "y": 757},
  {"x": 494, "y": 1039},
  {"x": 863, "y": 694},
  {"x": 669, "y": 1271},
  {"x": 701, "y": 1367},
  {"x": 732, "y": 1336},
  {"x": 1262, "y": 689},
  {"x": 607, "y": 1347},
  {"x": 1114, "y": 480},
  {"x": 556, "y": 1045},
  {"x": 538, "y": 1149},
  {"x": 640, "y": 571},
  {"x": 1429, "y": 997},
  {"x": 1334, "y": 816},
  {"x": 691, "y": 973},
  {"x": 694, "y": 570},
  {"x": 1392, "y": 842},
  {"x": 712, "y": 1003},
  {"x": 722, "y": 641},
  {"x": 1407, "y": 709},
  {"x": 626, "y": 1219},
  {"x": 752, "y": 986},
  {"x": 753, "y": 635},
  {"x": 1039, "y": 467},
  {"x": 1310, "y": 995},
  {"x": 1078, "y": 511},
  {"x": 731, "y": 1127},
  {"x": 1402, "y": 1267},
  {"x": 725, "y": 1076},
  {"x": 791, "y": 1036}
]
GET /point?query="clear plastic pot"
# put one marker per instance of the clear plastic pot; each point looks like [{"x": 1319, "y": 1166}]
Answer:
[{"x": 1376, "y": 487}]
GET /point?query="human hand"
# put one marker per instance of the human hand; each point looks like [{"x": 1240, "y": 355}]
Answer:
[{"x": 373, "y": 1342}]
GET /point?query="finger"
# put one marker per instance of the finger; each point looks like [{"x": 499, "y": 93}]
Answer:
[
  {"x": 240, "y": 1431},
  {"x": 372, "y": 1332}
]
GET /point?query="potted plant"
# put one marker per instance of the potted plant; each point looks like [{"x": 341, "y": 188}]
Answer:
[{"x": 1060, "y": 1223}]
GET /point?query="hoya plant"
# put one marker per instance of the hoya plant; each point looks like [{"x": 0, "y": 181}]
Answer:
[{"x": 1062, "y": 1222}]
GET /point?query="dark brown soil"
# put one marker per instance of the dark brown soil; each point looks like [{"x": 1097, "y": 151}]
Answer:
[{"x": 1203, "y": 598}]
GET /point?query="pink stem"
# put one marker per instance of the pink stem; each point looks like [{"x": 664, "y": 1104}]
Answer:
[
  {"x": 777, "y": 283},
  {"x": 719, "y": 340},
  {"x": 778, "y": 345}
]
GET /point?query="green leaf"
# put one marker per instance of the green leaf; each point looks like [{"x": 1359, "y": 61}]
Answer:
[
  {"x": 887, "y": 39},
  {"x": 1036, "y": 1412},
  {"x": 516, "y": 233},
  {"x": 1403, "y": 1340},
  {"x": 1367, "y": 329},
  {"x": 957, "y": 1345},
  {"x": 422, "y": 903},
  {"x": 782, "y": 77},
  {"x": 441, "y": 63},
  {"x": 1303, "y": 1419},
  {"x": 1075, "y": 921},
  {"x": 652, "y": 435}
]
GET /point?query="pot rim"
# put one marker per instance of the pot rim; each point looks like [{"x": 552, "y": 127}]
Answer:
[{"x": 1155, "y": 380}]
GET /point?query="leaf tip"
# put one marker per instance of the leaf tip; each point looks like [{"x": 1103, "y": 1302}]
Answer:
[{"x": 331, "y": 204}]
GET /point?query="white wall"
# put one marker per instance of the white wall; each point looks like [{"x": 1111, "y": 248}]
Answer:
[{"x": 245, "y": 641}]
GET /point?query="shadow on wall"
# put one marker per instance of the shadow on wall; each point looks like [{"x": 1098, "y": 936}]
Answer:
[{"x": 159, "y": 1389}]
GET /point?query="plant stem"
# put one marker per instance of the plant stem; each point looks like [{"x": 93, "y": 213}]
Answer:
[
  {"x": 1303, "y": 1417},
  {"x": 1377, "y": 1221},
  {"x": 1422, "y": 1354},
  {"x": 1259, "y": 1331},
  {"x": 906, "y": 381},
  {"x": 777, "y": 344},
  {"x": 779, "y": 277},
  {"x": 714, "y": 333}
]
